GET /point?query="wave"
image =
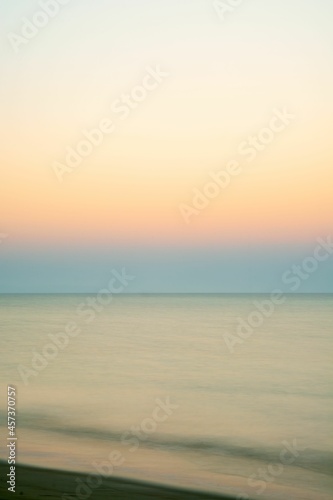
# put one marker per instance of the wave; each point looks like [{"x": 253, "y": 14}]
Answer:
[{"x": 308, "y": 458}]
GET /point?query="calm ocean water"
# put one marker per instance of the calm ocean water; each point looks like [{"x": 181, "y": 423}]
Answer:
[{"x": 152, "y": 378}]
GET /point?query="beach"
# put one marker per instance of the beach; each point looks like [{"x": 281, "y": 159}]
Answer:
[{"x": 35, "y": 483}]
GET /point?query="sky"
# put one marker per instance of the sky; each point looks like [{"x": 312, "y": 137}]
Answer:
[{"x": 185, "y": 92}]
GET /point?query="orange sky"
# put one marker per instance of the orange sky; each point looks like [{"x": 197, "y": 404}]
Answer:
[{"x": 224, "y": 82}]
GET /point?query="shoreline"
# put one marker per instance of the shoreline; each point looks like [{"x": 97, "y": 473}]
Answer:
[{"x": 33, "y": 483}]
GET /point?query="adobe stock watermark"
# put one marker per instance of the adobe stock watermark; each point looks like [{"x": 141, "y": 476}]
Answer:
[
  {"x": 3, "y": 237},
  {"x": 87, "y": 309},
  {"x": 249, "y": 148},
  {"x": 133, "y": 438},
  {"x": 225, "y": 7},
  {"x": 30, "y": 28},
  {"x": 293, "y": 277},
  {"x": 266, "y": 475},
  {"x": 123, "y": 106}
]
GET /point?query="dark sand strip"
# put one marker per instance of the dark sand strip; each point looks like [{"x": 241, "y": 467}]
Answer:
[{"x": 33, "y": 483}]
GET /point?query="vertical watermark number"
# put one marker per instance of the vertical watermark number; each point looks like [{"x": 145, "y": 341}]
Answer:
[{"x": 11, "y": 445}]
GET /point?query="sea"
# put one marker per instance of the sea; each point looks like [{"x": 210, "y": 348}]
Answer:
[{"x": 230, "y": 394}]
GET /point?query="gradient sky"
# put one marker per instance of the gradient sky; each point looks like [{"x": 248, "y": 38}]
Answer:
[{"x": 120, "y": 207}]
